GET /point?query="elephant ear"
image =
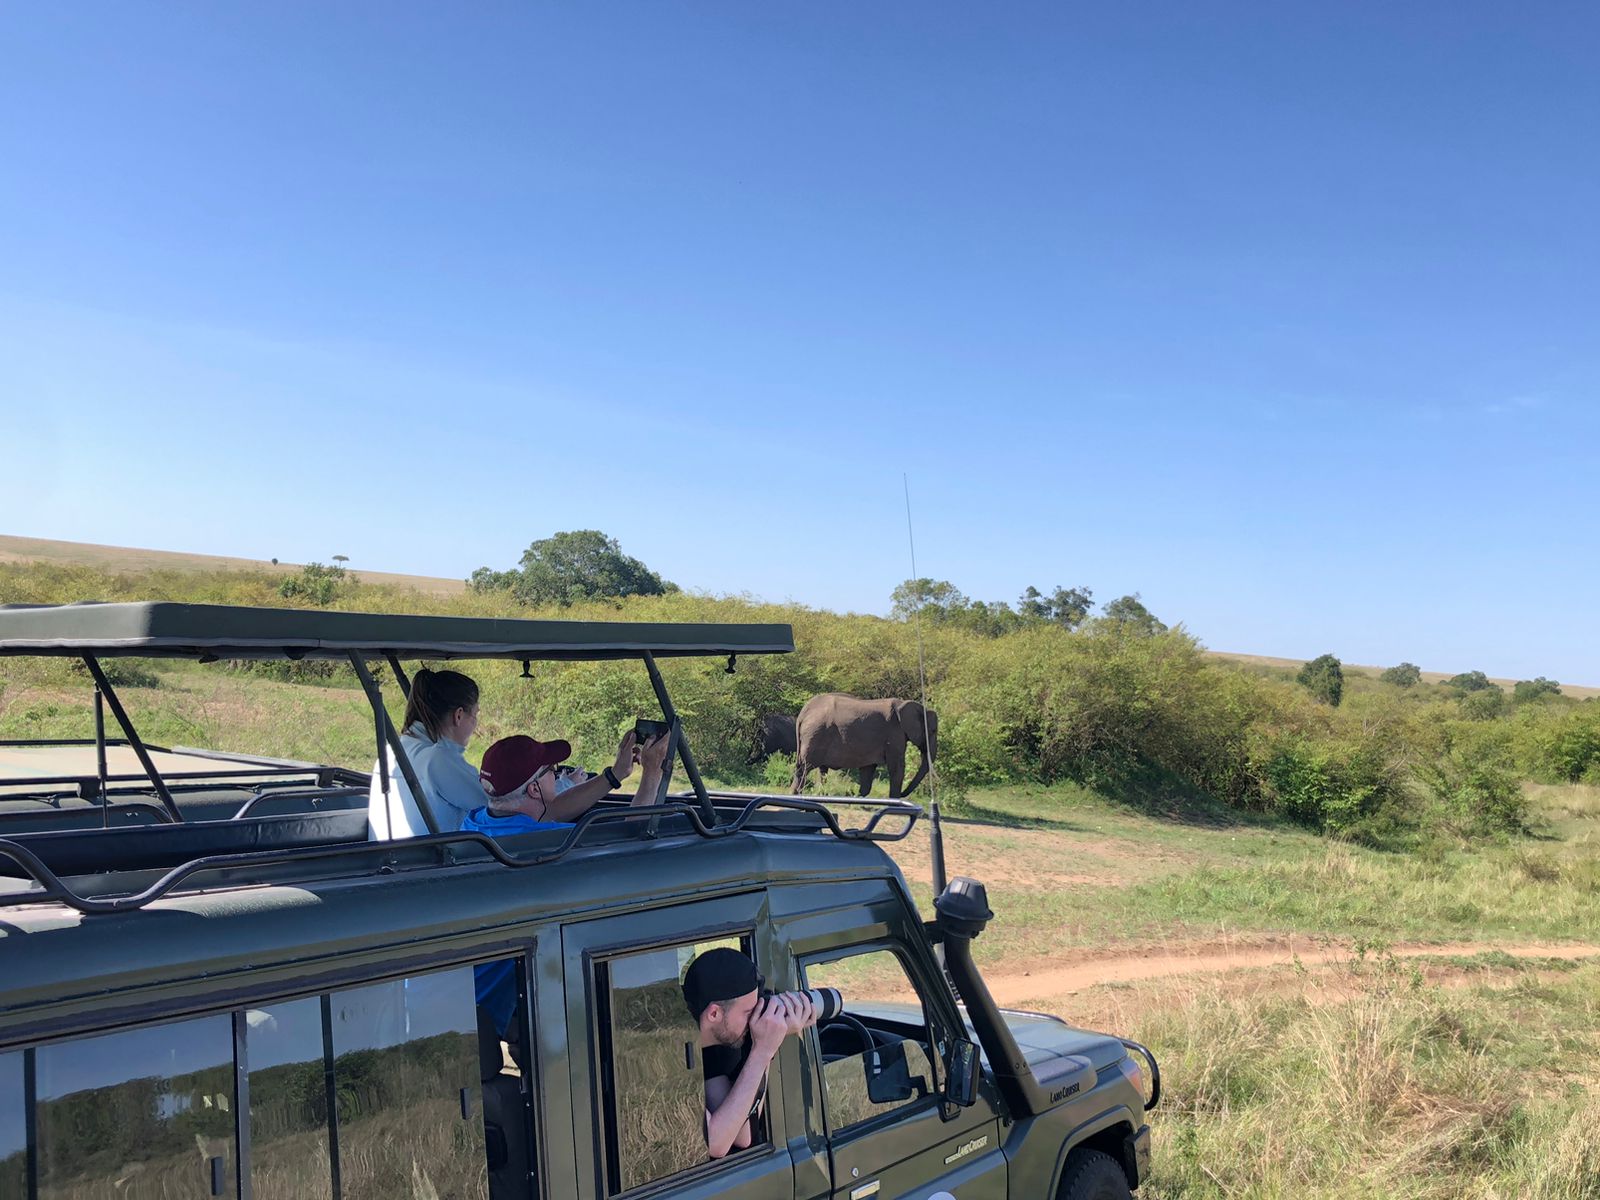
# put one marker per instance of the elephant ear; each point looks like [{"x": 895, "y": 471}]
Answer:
[{"x": 909, "y": 714}]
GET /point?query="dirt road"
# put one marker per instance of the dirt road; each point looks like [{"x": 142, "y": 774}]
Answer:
[{"x": 1018, "y": 987}]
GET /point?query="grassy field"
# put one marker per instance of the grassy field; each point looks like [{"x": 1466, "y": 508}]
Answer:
[
  {"x": 1311, "y": 1046},
  {"x": 133, "y": 559}
]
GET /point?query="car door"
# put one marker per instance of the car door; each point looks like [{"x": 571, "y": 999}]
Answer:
[
  {"x": 874, "y": 1111},
  {"x": 634, "y": 1056}
]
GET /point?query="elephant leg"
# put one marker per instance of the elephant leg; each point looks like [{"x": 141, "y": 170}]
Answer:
[
  {"x": 867, "y": 774},
  {"x": 801, "y": 770},
  {"x": 897, "y": 772}
]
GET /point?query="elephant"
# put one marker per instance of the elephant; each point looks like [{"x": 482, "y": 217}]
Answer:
[
  {"x": 775, "y": 735},
  {"x": 843, "y": 732}
]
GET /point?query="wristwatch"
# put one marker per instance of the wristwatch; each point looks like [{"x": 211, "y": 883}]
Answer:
[{"x": 611, "y": 778}]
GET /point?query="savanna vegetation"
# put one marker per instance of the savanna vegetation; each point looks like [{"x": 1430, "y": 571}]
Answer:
[
  {"x": 1044, "y": 692},
  {"x": 1123, "y": 792}
]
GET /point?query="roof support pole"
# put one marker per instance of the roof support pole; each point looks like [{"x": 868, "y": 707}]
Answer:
[
  {"x": 100, "y": 757},
  {"x": 400, "y": 675},
  {"x": 684, "y": 753},
  {"x": 104, "y": 686},
  {"x": 386, "y": 731}
]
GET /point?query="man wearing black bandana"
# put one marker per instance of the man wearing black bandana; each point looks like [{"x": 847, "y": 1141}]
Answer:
[{"x": 740, "y": 1032}]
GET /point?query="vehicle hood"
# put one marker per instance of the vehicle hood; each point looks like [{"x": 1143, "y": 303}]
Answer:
[{"x": 1043, "y": 1039}]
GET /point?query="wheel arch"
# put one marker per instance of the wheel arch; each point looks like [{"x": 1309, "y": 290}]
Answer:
[{"x": 1108, "y": 1133}]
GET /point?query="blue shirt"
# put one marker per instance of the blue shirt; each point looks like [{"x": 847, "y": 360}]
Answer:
[
  {"x": 496, "y": 982},
  {"x": 450, "y": 788}
]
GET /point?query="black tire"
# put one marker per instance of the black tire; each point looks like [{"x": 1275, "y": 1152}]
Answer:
[{"x": 1091, "y": 1175}]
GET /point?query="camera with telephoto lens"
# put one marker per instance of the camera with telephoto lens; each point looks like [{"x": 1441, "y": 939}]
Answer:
[{"x": 828, "y": 1001}]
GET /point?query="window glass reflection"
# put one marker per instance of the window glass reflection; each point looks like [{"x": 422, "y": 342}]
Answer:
[
  {"x": 288, "y": 1103},
  {"x": 405, "y": 1054},
  {"x": 141, "y": 1114},
  {"x": 13, "y": 1127},
  {"x": 875, "y": 1056}
]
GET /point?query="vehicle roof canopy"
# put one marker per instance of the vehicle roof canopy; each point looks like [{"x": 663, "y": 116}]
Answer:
[{"x": 164, "y": 629}]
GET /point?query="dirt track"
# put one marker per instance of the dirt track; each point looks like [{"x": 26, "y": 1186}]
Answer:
[{"x": 1013, "y": 988}]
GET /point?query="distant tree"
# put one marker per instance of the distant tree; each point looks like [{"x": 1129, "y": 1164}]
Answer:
[
  {"x": 341, "y": 559},
  {"x": 582, "y": 564},
  {"x": 275, "y": 563},
  {"x": 1469, "y": 681},
  {"x": 1405, "y": 675},
  {"x": 935, "y": 599},
  {"x": 1323, "y": 677},
  {"x": 1130, "y": 615},
  {"x": 940, "y": 602},
  {"x": 1534, "y": 689},
  {"x": 487, "y": 579},
  {"x": 1067, "y": 607}
]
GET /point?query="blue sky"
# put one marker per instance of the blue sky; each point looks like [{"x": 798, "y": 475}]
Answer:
[{"x": 1284, "y": 316}]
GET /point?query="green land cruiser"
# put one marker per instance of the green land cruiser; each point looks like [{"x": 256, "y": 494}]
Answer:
[{"x": 213, "y": 984}]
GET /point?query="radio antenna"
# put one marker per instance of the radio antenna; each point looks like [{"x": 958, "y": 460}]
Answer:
[{"x": 935, "y": 829}]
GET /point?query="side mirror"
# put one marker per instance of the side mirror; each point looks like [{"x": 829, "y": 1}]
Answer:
[{"x": 961, "y": 1082}]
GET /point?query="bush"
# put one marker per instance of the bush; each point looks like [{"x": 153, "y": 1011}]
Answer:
[
  {"x": 1333, "y": 788},
  {"x": 316, "y": 584},
  {"x": 1405, "y": 675},
  {"x": 1527, "y": 690},
  {"x": 1323, "y": 677}
]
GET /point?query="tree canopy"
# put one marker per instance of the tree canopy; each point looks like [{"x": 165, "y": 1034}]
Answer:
[
  {"x": 574, "y": 565},
  {"x": 1323, "y": 677},
  {"x": 1405, "y": 675},
  {"x": 1129, "y": 615},
  {"x": 1469, "y": 681},
  {"x": 1534, "y": 689},
  {"x": 1066, "y": 607}
]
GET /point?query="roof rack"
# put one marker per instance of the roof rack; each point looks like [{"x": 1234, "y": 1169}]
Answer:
[{"x": 53, "y": 889}]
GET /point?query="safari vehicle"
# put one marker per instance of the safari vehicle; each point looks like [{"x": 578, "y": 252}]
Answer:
[{"x": 213, "y": 984}]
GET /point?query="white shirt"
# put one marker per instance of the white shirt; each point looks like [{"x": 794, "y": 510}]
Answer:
[{"x": 450, "y": 789}]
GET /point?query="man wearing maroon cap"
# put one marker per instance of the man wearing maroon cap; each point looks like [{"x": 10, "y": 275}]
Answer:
[
  {"x": 525, "y": 793},
  {"x": 519, "y": 777}
]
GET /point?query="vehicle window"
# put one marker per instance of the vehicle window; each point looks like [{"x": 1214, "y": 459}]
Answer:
[
  {"x": 649, "y": 1047},
  {"x": 288, "y": 1102},
  {"x": 13, "y": 1127},
  {"x": 141, "y": 1114},
  {"x": 875, "y": 1056},
  {"x": 408, "y": 1119}
]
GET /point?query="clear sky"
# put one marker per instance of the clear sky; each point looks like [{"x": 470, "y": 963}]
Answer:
[{"x": 1282, "y": 315}]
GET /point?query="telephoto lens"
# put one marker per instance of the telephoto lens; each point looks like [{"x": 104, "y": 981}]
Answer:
[{"x": 828, "y": 1001}]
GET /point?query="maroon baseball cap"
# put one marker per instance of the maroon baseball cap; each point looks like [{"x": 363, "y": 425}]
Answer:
[{"x": 512, "y": 761}]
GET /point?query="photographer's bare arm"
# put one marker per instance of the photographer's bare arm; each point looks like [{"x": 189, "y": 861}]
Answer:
[
  {"x": 731, "y": 1103},
  {"x": 579, "y": 799}
]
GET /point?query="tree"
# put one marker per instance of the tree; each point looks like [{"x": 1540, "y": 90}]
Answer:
[
  {"x": 933, "y": 598},
  {"x": 1405, "y": 675},
  {"x": 1534, "y": 689},
  {"x": 1129, "y": 615},
  {"x": 1468, "y": 681},
  {"x": 487, "y": 579},
  {"x": 940, "y": 602},
  {"x": 341, "y": 559},
  {"x": 1067, "y": 607},
  {"x": 1323, "y": 677},
  {"x": 580, "y": 564}
]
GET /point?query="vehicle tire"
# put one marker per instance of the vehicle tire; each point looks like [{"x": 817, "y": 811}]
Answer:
[{"x": 1091, "y": 1175}]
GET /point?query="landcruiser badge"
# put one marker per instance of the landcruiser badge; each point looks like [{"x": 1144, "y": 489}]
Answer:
[{"x": 967, "y": 1148}]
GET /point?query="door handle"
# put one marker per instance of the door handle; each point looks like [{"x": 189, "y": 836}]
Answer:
[{"x": 865, "y": 1190}]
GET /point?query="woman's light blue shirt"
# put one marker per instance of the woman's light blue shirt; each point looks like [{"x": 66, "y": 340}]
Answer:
[{"x": 450, "y": 788}]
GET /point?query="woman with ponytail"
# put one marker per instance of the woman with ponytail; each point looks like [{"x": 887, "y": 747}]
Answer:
[{"x": 441, "y": 715}]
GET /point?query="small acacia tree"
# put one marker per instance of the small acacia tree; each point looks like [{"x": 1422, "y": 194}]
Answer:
[
  {"x": 574, "y": 565},
  {"x": 1323, "y": 677},
  {"x": 1129, "y": 615},
  {"x": 1535, "y": 689},
  {"x": 1405, "y": 675},
  {"x": 1469, "y": 681}
]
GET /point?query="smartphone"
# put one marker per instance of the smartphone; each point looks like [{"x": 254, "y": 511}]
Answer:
[{"x": 644, "y": 729}]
